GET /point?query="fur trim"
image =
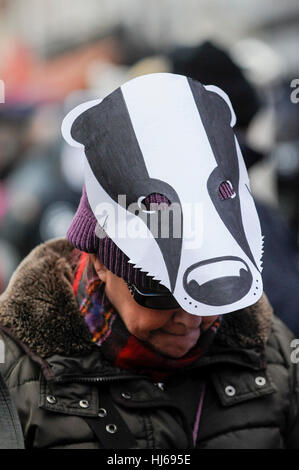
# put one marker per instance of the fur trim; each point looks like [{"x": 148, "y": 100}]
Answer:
[
  {"x": 39, "y": 306},
  {"x": 248, "y": 328},
  {"x": 40, "y": 309}
]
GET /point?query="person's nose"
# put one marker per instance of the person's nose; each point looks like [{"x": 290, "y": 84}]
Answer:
[{"x": 182, "y": 317}]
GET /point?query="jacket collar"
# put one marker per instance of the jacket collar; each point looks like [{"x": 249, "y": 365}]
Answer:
[{"x": 40, "y": 310}]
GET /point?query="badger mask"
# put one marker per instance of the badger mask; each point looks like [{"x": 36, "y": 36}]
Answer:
[{"x": 168, "y": 134}]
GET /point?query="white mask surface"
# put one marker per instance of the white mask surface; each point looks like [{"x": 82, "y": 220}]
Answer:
[{"x": 167, "y": 134}]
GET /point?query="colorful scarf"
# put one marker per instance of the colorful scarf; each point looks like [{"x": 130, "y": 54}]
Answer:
[{"x": 121, "y": 348}]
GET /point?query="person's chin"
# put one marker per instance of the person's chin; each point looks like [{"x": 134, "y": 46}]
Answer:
[{"x": 175, "y": 346}]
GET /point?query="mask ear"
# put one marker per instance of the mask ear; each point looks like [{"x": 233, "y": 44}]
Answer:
[
  {"x": 216, "y": 89},
  {"x": 67, "y": 123}
]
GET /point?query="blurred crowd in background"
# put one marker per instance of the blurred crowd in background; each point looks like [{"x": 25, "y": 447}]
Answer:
[{"x": 54, "y": 55}]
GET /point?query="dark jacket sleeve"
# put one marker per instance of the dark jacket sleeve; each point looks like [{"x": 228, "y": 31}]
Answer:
[
  {"x": 19, "y": 380},
  {"x": 292, "y": 437},
  {"x": 11, "y": 435},
  {"x": 289, "y": 349}
]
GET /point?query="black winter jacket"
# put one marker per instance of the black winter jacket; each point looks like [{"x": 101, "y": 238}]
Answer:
[{"x": 68, "y": 396}]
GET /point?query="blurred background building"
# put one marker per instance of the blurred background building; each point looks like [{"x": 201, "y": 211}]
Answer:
[{"x": 55, "y": 54}]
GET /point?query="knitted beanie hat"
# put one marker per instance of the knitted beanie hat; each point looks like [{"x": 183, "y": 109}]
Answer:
[{"x": 82, "y": 234}]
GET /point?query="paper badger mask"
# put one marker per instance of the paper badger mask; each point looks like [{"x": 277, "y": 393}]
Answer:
[{"x": 168, "y": 134}]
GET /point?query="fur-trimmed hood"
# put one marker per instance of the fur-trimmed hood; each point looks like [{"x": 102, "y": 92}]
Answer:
[{"x": 40, "y": 309}]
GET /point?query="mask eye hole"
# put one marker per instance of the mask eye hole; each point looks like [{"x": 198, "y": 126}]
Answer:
[
  {"x": 152, "y": 203},
  {"x": 226, "y": 190}
]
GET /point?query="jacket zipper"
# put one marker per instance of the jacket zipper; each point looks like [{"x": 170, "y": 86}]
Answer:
[{"x": 97, "y": 379}]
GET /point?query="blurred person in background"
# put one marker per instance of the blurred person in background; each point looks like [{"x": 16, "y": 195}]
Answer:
[
  {"x": 14, "y": 141},
  {"x": 100, "y": 352},
  {"x": 37, "y": 201},
  {"x": 286, "y": 152}
]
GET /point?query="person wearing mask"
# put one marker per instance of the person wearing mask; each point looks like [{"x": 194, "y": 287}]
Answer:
[{"x": 148, "y": 326}]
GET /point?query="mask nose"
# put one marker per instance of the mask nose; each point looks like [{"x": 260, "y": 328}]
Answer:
[{"x": 219, "y": 281}]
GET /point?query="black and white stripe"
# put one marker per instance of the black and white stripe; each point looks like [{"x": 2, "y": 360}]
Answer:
[{"x": 170, "y": 135}]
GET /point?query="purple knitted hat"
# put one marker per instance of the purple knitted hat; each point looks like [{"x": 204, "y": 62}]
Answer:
[{"x": 82, "y": 235}]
